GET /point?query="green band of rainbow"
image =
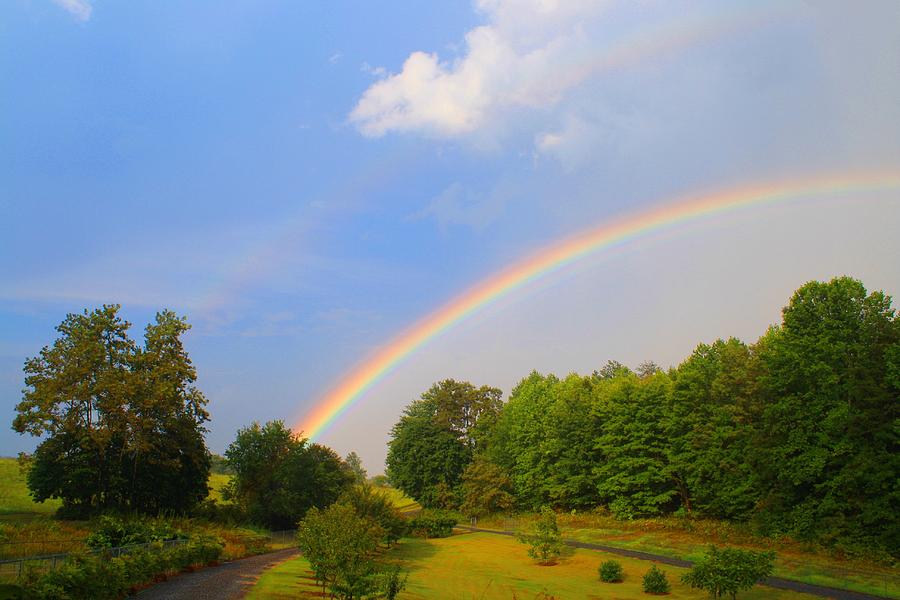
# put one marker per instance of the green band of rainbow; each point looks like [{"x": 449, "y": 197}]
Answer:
[{"x": 556, "y": 256}]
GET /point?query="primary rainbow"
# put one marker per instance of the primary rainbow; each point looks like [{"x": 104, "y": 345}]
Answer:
[{"x": 556, "y": 256}]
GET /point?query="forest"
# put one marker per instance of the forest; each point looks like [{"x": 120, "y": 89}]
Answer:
[{"x": 794, "y": 434}]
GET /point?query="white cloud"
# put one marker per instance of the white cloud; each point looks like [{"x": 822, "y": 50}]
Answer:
[
  {"x": 515, "y": 60},
  {"x": 80, "y": 9},
  {"x": 458, "y": 206}
]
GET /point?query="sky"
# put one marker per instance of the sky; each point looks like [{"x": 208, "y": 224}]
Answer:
[{"x": 304, "y": 181}]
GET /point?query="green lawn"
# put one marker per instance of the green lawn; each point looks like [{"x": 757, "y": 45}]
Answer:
[
  {"x": 487, "y": 566},
  {"x": 679, "y": 538},
  {"x": 15, "y": 503}
]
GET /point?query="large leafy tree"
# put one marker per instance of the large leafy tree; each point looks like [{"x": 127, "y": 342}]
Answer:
[
  {"x": 123, "y": 425},
  {"x": 829, "y": 453},
  {"x": 278, "y": 476},
  {"x": 437, "y": 436}
]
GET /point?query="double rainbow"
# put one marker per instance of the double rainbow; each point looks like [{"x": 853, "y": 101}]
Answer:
[{"x": 557, "y": 256}]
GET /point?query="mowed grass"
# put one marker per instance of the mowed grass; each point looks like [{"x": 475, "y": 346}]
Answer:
[
  {"x": 689, "y": 539},
  {"x": 488, "y": 566},
  {"x": 217, "y": 481}
]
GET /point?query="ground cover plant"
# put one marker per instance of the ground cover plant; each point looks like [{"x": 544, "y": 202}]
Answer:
[{"x": 493, "y": 567}]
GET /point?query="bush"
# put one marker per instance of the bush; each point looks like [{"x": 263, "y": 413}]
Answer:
[
  {"x": 432, "y": 524},
  {"x": 111, "y": 532},
  {"x": 727, "y": 571},
  {"x": 545, "y": 540},
  {"x": 655, "y": 582},
  {"x": 100, "y": 576},
  {"x": 611, "y": 572},
  {"x": 376, "y": 505}
]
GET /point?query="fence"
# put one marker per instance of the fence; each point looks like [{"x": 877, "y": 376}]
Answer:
[{"x": 14, "y": 567}]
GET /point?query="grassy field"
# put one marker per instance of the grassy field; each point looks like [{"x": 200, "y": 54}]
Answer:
[
  {"x": 688, "y": 539},
  {"x": 486, "y": 566},
  {"x": 401, "y": 501},
  {"x": 216, "y": 482},
  {"x": 15, "y": 503}
]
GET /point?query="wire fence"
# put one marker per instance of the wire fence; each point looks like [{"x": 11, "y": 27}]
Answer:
[{"x": 13, "y": 568}]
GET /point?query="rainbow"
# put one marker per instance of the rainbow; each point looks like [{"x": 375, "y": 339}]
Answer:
[{"x": 556, "y": 256}]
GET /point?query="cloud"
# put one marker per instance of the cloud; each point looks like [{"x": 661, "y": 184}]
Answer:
[
  {"x": 334, "y": 58},
  {"x": 458, "y": 206},
  {"x": 80, "y": 9},
  {"x": 513, "y": 61}
]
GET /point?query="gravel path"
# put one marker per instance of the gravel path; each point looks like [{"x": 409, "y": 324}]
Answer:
[
  {"x": 228, "y": 581},
  {"x": 775, "y": 582}
]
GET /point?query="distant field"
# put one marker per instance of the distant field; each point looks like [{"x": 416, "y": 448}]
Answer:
[
  {"x": 216, "y": 482},
  {"x": 401, "y": 501},
  {"x": 487, "y": 566},
  {"x": 15, "y": 503}
]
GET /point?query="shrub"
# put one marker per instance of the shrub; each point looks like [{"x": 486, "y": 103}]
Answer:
[
  {"x": 727, "y": 571},
  {"x": 545, "y": 540},
  {"x": 655, "y": 582},
  {"x": 100, "y": 576},
  {"x": 611, "y": 572},
  {"x": 112, "y": 532},
  {"x": 376, "y": 505},
  {"x": 432, "y": 524}
]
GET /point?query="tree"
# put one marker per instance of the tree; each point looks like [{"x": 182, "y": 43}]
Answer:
[
  {"x": 485, "y": 489},
  {"x": 727, "y": 571},
  {"x": 435, "y": 439},
  {"x": 828, "y": 439},
  {"x": 355, "y": 463},
  {"x": 278, "y": 476},
  {"x": 340, "y": 546},
  {"x": 656, "y": 582},
  {"x": 544, "y": 541},
  {"x": 123, "y": 425},
  {"x": 375, "y": 504}
]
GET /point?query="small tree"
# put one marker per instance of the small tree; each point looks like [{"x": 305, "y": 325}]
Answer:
[
  {"x": 727, "y": 571},
  {"x": 545, "y": 540},
  {"x": 655, "y": 582},
  {"x": 611, "y": 572},
  {"x": 485, "y": 489},
  {"x": 355, "y": 463},
  {"x": 340, "y": 546}
]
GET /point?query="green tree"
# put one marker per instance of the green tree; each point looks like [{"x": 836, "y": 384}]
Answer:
[
  {"x": 727, "y": 571},
  {"x": 486, "y": 489},
  {"x": 278, "y": 476},
  {"x": 656, "y": 582},
  {"x": 123, "y": 425},
  {"x": 375, "y": 504},
  {"x": 341, "y": 547},
  {"x": 435, "y": 439},
  {"x": 633, "y": 475},
  {"x": 544, "y": 541},
  {"x": 829, "y": 435},
  {"x": 355, "y": 463}
]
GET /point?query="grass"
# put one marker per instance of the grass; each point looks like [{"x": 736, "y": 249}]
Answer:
[
  {"x": 487, "y": 566},
  {"x": 401, "y": 501},
  {"x": 217, "y": 481},
  {"x": 15, "y": 503},
  {"x": 688, "y": 539}
]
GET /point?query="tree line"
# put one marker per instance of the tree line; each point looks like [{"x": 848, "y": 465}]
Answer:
[{"x": 795, "y": 434}]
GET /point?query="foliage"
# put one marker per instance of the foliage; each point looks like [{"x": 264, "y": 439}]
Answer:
[
  {"x": 374, "y": 504},
  {"x": 122, "y": 425},
  {"x": 355, "y": 463},
  {"x": 278, "y": 476},
  {"x": 436, "y": 438},
  {"x": 111, "y": 532},
  {"x": 340, "y": 545},
  {"x": 727, "y": 571},
  {"x": 655, "y": 581},
  {"x": 380, "y": 481},
  {"x": 611, "y": 572},
  {"x": 393, "y": 582},
  {"x": 100, "y": 576},
  {"x": 544, "y": 541},
  {"x": 485, "y": 489},
  {"x": 431, "y": 523}
]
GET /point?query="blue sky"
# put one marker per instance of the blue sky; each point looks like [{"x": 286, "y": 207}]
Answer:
[{"x": 303, "y": 180}]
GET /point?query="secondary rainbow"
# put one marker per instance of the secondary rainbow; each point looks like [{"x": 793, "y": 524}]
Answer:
[{"x": 556, "y": 256}]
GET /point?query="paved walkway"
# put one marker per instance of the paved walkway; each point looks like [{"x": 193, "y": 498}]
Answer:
[
  {"x": 227, "y": 581},
  {"x": 775, "y": 582}
]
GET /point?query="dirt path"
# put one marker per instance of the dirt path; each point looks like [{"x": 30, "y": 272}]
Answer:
[
  {"x": 228, "y": 581},
  {"x": 775, "y": 582}
]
